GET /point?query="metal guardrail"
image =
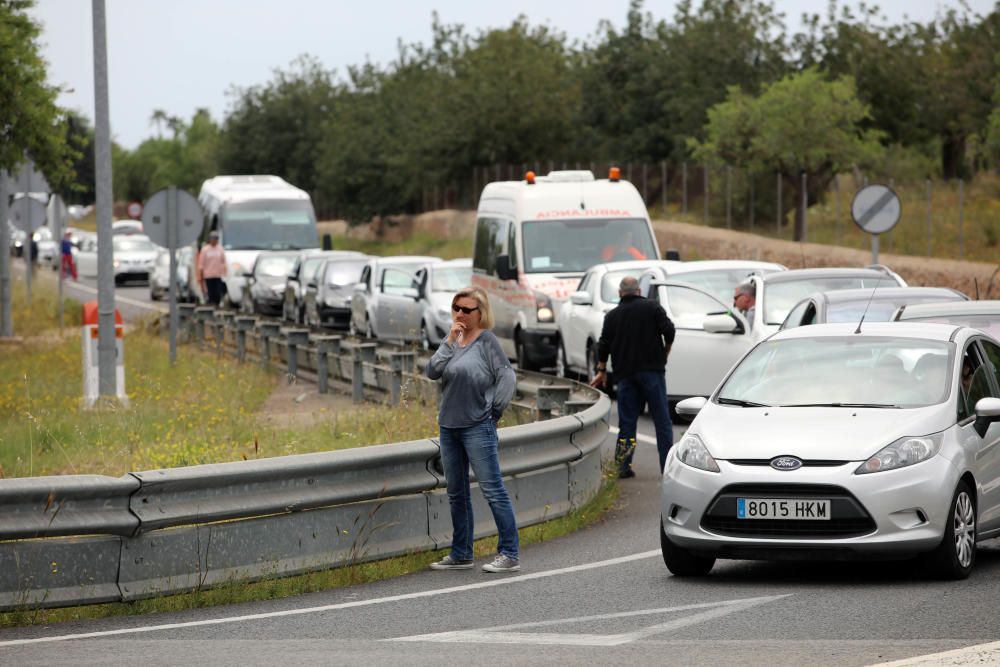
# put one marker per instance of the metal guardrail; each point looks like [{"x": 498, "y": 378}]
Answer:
[{"x": 86, "y": 539}]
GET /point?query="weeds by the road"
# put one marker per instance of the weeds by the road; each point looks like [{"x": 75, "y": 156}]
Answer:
[
  {"x": 237, "y": 592},
  {"x": 42, "y": 313},
  {"x": 200, "y": 411}
]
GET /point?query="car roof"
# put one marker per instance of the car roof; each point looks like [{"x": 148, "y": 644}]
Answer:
[
  {"x": 925, "y": 330},
  {"x": 459, "y": 263},
  {"x": 406, "y": 259},
  {"x": 889, "y": 294},
  {"x": 826, "y": 272},
  {"x": 933, "y": 309},
  {"x": 726, "y": 264}
]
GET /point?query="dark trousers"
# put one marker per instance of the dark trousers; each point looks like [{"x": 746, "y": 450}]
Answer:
[
  {"x": 649, "y": 387},
  {"x": 215, "y": 289}
]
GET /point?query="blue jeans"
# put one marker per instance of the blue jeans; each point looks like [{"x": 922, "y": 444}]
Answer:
[
  {"x": 476, "y": 446},
  {"x": 651, "y": 386}
]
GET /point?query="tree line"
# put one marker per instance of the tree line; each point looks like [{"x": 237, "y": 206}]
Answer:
[{"x": 721, "y": 82}]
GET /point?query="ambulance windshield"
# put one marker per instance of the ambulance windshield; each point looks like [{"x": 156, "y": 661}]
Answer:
[{"x": 576, "y": 245}]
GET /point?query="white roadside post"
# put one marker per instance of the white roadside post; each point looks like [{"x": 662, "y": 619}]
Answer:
[
  {"x": 876, "y": 210},
  {"x": 91, "y": 356}
]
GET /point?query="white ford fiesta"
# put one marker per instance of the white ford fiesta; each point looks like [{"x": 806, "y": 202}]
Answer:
[{"x": 841, "y": 441}]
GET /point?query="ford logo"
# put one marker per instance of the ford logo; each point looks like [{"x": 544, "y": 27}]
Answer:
[{"x": 786, "y": 463}]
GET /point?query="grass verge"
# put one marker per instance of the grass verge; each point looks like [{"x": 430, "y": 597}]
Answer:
[{"x": 283, "y": 587}]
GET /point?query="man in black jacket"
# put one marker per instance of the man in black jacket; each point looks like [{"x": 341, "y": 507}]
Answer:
[{"x": 638, "y": 335}]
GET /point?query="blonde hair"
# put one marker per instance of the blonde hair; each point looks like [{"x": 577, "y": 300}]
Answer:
[{"x": 483, "y": 301}]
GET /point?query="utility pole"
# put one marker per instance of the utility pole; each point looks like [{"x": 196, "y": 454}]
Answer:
[{"x": 106, "y": 348}]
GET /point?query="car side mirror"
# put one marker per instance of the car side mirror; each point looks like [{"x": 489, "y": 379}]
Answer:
[
  {"x": 722, "y": 323},
  {"x": 248, "y": 274},
  {"x": 581, "y": 298},
  {"x": 313, "y": 284},
  {"x": 410, "y": 292},
  {"x": 504, "y": 270},
  {"x": 690, "y": 407},
  {"x": 987, "y": 412},
  {"x": 672, "y": 254}
]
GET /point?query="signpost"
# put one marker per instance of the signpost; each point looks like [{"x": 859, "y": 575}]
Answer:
[
  {"x": 172, "y": 219},
  {"x": 876, "y": 210},
  {"x": 27, "y": 214}
]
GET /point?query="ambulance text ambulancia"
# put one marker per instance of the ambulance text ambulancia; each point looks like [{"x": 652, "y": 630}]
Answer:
[{"x": 535, "y": 239}]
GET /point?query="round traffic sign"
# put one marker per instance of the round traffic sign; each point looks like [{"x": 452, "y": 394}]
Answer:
[
  {"x": 187, "y": 212},
  {"x": 134, "y": 210},
  {"x": 876, "y": 209}
]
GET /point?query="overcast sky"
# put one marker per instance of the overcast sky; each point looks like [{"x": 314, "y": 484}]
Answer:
[{"x": 178, "y": 55}]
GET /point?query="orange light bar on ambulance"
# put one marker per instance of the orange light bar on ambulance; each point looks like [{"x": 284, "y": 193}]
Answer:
[
  {"x": 530, "y": 177},
  {"x": 614, "y": 174}
]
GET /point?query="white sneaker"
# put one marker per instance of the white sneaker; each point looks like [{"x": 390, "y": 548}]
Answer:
[
  {"x": 503, "y": 563},
  {"x": 449, "y": 563}
]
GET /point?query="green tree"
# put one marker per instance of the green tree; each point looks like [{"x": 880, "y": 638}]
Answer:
[
  {"x": 30, "y": 121},
  {"x": 800, "y": 124}
]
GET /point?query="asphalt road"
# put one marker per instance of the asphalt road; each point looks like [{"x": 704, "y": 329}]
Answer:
[{"x": 599, "y": 596}]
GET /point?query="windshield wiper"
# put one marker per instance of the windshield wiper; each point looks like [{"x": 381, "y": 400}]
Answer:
[
  {"x": 842, "y": 405},
  {"x": 742, "y": 403}
]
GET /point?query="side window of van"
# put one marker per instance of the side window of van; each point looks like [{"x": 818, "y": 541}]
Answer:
[
  {"x": 511, "y": 245},
  {"x": 483, "y": 258}
]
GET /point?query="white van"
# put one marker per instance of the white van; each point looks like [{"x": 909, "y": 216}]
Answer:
[
  {"x": 534, "y": 240},
  {"x": 251, "y": 214}
]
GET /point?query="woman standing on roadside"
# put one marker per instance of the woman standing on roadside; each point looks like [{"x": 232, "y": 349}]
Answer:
[{"x": 477, "y": 384}]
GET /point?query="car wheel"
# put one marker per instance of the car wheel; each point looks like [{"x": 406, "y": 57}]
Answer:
[
  {"x": 154, "y": 295},
  {"x": 956, "y": 555},
  {"x": 681, "y": 562},
  {"x": 522, "y": 357},
  {"x": 425, "y": 337},
  {"x": 562, "y": 368}
]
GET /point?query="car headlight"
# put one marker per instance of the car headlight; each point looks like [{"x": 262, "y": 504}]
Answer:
[
  {"x": 116, "y": 263},
  {"x": 693, "y": 452},
  {"x": 543, "y": 306},
  {"x": 904, "y": 452}
]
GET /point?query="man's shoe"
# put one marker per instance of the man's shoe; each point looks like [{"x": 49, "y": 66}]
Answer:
[
  {"x": 503, "y": 563},
  {"x": 626, "y": 474},
  {"x": 449, "y": 563}
]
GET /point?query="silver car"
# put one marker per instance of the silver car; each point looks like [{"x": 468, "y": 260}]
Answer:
[
  {"x": 328, "y": 295},
  {"x": 875, "y": 305},
  {"x": 828, "y": 442},
  {"x": 159, "y": 279},
  {"x": 386, "y": 302},
  {"x": 437, "y": 285},
  {"x": 983, "y": 315}
]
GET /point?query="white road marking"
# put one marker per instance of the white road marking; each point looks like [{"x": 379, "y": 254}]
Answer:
[
  {"x": 500, "y": 635},
  {"x": 980, "y": 654},
  {"x": 504, "y": 581}
]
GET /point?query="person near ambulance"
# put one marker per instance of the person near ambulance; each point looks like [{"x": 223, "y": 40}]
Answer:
[
  {"x": 212, "y": 269},
  {"x": 637, "y": 334},
  {"x": 623, "y": 250}
]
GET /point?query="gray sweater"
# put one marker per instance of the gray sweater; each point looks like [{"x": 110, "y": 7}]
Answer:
[{"x": 477, "y": 382}]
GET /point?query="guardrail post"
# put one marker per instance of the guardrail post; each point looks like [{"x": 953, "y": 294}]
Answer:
[
  {"x": 186, "y": 320},
  {"x": 203, "y": 314},
  {"x": 267, "y": 330},
  {"x": 294, "y": 338},
  {"x": 225, "y": 321},
  {"x": 324, "y": 345},
  {"x": 549, "y": 398},
  {"x": 398, "y": 363},
  {"x": 243, "y": 324},
  {"x": 360, "y": 354}
]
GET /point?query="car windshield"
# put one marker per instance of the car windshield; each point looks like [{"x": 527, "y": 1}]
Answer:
[
  {"x": 269, "y": 225},
  {"x": 309, "y": 268},
  {"x": 451, "y": 278},
  {"x": 988, "y": 323},
  {"x": 131, "y": 244},
  {"x": 834, "y": 371},
  {"x": 274, "y": 266},
  {"x": 576, "y": 245},
  {"x": 344, "y": 272},
  {"x": 781, "y": 297},
  {"x": 880, "y": 310},
  {"x": 720, "y": 283},
  {"x": 610, "y": 282}
]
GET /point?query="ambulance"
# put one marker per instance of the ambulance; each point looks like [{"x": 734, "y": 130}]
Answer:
[{"x": 535, "y": 239}]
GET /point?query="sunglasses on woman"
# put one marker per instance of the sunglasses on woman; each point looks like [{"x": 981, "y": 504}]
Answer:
[{"x": 468, "y": 311}]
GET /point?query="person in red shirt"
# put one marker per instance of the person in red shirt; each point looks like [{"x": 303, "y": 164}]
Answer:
[{"x": 212, "y": 269}]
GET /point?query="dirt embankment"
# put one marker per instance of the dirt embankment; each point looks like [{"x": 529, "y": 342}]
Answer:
[{"x": 697, "y": 242}]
